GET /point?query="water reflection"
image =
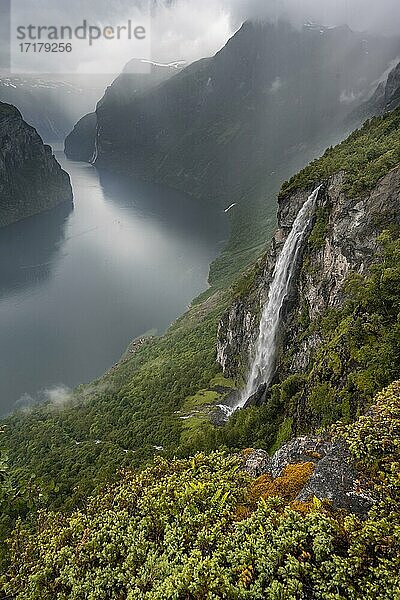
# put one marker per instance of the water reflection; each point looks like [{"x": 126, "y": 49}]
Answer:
[
  {"x": 77, "y": 287},
  {"x": 26, "y": 261}
]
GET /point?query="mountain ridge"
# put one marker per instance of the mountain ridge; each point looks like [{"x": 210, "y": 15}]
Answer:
[{"x": 31, "y": 179}]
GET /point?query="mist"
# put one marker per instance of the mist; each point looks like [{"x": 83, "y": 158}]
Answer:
[{"x": 361, "y": 15}]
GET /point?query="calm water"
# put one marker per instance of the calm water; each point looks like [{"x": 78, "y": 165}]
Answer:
[{"x": 78, "y": 284}]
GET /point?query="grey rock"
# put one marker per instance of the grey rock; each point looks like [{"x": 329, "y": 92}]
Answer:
[
  {"x": 31, "y": 180},
  {"x": 335, "y": 478},
  {"x": 257, "y": 463},
  {"x": 299, "y": 450}
]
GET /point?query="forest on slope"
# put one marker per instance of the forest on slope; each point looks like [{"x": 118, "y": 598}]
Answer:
[
  {"x": 57, "y": 457},
  {"x": 88, "y": 511}
]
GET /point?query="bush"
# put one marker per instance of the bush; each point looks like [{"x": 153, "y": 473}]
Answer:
[{"x": 201, "y": 529}]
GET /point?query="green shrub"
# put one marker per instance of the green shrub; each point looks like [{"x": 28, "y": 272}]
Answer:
[
  {"x": 367, "y": 155},
  {"x": 200, "y": 529}
]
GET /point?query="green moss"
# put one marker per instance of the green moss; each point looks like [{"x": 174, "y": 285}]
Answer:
[
  {"x": 221, "y": 381},
  {"x": 284, "y": 434},
  {"x": 247, "y": 282},
  {"x": 319, "y": 232},
  {"x": 203, "y": 397},
  {"x": 324, "y": 404}
]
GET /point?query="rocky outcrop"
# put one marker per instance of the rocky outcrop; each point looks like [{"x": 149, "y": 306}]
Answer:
[
  {"x": 334, "y": 477},
  {"x": 385, "y": 98},
  {"x": 31, "y": 180},
  {"x": 344, "y": 240}
]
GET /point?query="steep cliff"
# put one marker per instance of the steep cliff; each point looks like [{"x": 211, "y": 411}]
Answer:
[
  {"x": 80, "y": 143},
  {"x": 386, "y": 96},
  {"x": 31, "y": 180},
  {"x": 136, "y": 78},
  {"x": 271, "y": 91},
  {"x": 336, "y": 345}
]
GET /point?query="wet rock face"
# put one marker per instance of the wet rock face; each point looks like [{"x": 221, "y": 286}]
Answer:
[
  {"x": 31, "y": 180},
  {"x": 347, "y": 244},
  {"x": 335, "y": 477},
  {"x": 238, "y": 329},
  {"x": 235, "y": 338}
]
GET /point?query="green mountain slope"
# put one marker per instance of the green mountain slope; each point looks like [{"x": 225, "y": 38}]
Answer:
[
  {"x": 137, "y": 401},
  {"x": 202, "y": 529}
]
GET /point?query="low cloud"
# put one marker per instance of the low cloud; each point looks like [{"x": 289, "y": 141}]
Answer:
[
  {"x": 57, "y": 396},
  {"x": 361, "y": 15}
]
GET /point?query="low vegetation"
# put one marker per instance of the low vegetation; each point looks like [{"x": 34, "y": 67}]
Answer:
[
  {"x": 176, "y": 528},
  {"x": 365, "y": 156},
  {"x": 201, "y": 529}
]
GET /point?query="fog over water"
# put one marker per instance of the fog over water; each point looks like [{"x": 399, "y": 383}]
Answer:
[{"x": 76, "y": 286}]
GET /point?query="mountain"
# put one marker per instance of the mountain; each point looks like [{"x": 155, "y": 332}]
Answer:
[
  {"x": 385, "y": 98},
  {"x": 229, "y": 129},
  {"x": 270, "y": 95},
  {"x": 31, "y": 180},
  {"x": 310, "y": 507},
  {"x": 80, "y": 143},
  {"x": 51, "y": 107},
  {"x": 137, "y": 77},
  {"x": 336, "y": 345}
]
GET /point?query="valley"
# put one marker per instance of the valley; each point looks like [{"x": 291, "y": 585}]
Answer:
[
  {"x": 78, "y": 285},
  {"x": 200, "y": 357}
]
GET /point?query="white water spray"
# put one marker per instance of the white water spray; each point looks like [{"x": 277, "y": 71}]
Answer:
[{"x": 263, "y": 362}]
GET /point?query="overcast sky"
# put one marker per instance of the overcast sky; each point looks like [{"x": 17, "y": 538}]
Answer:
[{"x": 191, "y": 29}]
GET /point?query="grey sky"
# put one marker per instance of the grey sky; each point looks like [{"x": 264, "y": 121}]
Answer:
[{"x": 191, "y": 29}]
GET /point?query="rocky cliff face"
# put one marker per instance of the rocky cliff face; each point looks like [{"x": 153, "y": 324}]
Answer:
[
  {"x": 385, "y": 98},
  {"x": 212, "y": 128},
  {"x": 344, "y": 240},
  {"x": 31, "y": 180},
  {"x": 81, "y": 143}
]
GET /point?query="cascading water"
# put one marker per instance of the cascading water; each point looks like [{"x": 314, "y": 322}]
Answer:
[
  {"x": 96, "y": 147},
  {"x": 264, "y": 356}
]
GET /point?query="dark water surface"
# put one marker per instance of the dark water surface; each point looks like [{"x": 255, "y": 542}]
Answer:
[{"x": 77, "y": 285}]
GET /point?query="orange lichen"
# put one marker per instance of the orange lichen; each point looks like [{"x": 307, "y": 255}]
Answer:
[
  {"x": 313, "y": 454},
  {"x": 288, "y": 486},
  {"x": 241, "y": 513},
  {"x": 247, "y": 451}
]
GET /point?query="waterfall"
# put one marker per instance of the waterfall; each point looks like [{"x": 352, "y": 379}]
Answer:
[
  {"x": 263, "y": 362},
  {"x": 96, "y": 146}
]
